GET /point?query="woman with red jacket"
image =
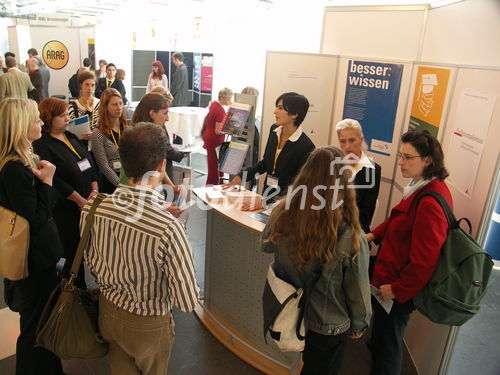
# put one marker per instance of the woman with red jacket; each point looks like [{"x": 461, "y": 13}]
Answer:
[
  {"x": 411, "y": 239},
  {"x": 212, "y": 136}
]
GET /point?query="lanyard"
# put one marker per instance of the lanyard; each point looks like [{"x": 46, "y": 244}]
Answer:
[
  {"x": 113, "y": 136},
  {"x": 108, "y": 84},
  {"x": 70, "y": 146}
]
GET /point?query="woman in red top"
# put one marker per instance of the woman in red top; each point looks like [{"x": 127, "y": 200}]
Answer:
[
  {"x": 411, "y": 239},
  {"x": 212, "y": 137}
]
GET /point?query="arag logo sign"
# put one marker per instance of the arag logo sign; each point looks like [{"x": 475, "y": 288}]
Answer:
[{"x": 55, "y": 54}]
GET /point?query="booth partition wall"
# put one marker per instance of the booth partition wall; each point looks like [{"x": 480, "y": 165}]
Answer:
[{"x": 199, "y": 67}]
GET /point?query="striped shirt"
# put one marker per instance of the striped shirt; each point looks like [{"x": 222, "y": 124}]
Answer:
[
  {"x": 76, "y": 109},
  {"x": 140, "y": 254}
]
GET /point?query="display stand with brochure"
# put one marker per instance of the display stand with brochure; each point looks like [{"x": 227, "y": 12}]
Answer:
[
  {"x": 234, "y": 158},
  {"x": 236, "y": 118}
]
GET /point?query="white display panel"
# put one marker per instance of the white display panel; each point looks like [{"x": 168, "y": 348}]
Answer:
[
  {"x": 389, "y": 32},
  {"x": 311, "y": 75}
]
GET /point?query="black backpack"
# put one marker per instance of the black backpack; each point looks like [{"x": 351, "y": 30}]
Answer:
[
  {"x": 73, "y": 85},
  {"x": 454, "y": 293}
]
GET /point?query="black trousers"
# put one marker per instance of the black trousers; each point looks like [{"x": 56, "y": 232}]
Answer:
[
  {"x": 28, "y": 297},
  {"x": 323, "y": 354},
  {"x": 68, "y": 223},
  {"x": 386, "y": 342}
]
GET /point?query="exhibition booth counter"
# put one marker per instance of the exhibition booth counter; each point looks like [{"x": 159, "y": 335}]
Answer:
[{"x": 235, "y": 273}]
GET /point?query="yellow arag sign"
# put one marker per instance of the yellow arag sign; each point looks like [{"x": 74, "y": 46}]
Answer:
[{"x": 55, "y": 54}]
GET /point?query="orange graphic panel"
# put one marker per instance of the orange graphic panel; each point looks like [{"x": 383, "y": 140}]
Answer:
[{"x": 430, "y": 94}]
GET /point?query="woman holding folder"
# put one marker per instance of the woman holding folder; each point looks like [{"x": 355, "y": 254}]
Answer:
[{"x": 75, "y": 178}]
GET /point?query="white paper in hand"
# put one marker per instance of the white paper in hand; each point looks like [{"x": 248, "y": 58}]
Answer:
[
  {"x": 79, "y": 126},
  {"x": 387, "y": 304}
]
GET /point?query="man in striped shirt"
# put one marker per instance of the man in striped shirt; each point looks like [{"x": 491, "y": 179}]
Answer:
[{"x": 141, "y": 258}]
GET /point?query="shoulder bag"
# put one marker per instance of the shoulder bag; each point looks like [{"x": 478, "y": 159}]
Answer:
[
  {"x": 68, "y": 326},
  {"x": 14, "y": 245}
]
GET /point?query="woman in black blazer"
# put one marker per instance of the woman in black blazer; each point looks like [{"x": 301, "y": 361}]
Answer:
[
  {"x": 26, "y": 188},
  {"x": 75, "y": 178},
  {"x": 286, "y": 150},
  {"x": 367, "y": 180}
]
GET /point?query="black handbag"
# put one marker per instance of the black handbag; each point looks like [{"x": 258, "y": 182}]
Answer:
[{"x": 68, "y": 326}]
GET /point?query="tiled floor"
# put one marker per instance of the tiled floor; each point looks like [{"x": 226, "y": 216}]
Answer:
[{"x": 195, "y": 351}]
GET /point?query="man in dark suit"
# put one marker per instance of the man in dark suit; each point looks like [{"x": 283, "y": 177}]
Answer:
[
  {"x": 180, "y": 82},
  {"x": 36, "y": 80},
  {"x": 110, "y": 81},
  {"x": 44, "y": 71}
]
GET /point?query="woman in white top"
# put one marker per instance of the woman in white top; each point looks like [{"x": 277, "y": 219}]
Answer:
[{"x": 157, "y": 77}]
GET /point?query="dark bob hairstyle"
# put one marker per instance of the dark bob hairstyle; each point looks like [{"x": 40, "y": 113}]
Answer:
[
  {"x": 294, "y": 104},
  {"x": 427, "y": 145}
]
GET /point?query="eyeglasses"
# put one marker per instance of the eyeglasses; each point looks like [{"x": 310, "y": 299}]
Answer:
[{"x": 407, "y": 157}]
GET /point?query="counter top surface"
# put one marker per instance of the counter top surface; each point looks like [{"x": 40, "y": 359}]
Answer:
[{"x": 231, "y": 211}]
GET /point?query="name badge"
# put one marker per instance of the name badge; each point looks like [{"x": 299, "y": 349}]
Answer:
[
  {"x": 117, "y": 165},
  {"x": 272, "y": 181},
  {"x": 84, "y": 164}
]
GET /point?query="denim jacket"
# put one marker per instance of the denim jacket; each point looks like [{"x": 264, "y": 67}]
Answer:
[{"x": 340, "y": 299}]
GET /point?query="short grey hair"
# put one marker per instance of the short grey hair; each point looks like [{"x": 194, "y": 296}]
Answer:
[
  {"x": 349, "y": 123},
  {"x": 35, "y": 61},
  {"x": 249, "y": 90},
  {"x": 225, "y": 93}
]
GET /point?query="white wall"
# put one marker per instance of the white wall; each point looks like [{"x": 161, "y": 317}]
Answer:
[
  {"x": 464, "y": 33},
  {"x": 383, "y": 32},
  {"x": 70, "y": 37},
  {"x": 19, "y": 42}
]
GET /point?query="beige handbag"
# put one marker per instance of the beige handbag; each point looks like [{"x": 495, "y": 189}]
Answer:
[{"x": 14, "y": 245}]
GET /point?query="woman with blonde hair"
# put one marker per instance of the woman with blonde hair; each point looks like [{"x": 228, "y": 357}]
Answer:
[
  {"x": 106, "y": 139},
  {"x": 26, "y": 188},
  {"x": 314, "y": 234},
  {"x": 368, "y": 173}
]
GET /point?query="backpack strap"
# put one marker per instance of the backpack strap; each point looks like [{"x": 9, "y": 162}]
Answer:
[{"x": 450, "y": 217}]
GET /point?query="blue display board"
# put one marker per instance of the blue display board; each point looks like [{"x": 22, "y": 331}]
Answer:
[
  {"x": 197, "y": 72},
  {"x": 371, "y": 97}
]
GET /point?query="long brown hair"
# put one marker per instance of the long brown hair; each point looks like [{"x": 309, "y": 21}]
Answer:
[
  {"x": 151, "y": 101},
  {"x": 310, "y": 221},
  {"x": 105, "y": 123}
]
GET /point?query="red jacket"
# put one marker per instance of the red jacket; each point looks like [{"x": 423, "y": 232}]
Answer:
[{"x": 411, "y": 243}]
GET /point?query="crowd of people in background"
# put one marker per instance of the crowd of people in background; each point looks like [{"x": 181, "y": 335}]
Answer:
[{"x": 50, "y": 176}]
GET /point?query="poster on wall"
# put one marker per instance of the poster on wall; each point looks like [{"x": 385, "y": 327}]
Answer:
[
  {"x": 470, "y": 129},
  {"x": 196, "y": 71},
  {"x": 207, "y": 63},
  {"x": 428, "y": 98},
  {"x": 371, "y": 97}
]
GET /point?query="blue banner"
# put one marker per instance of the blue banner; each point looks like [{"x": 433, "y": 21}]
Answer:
[
  {"x": 371, "y": 97},
  {"x": 197, "y": 72}
]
